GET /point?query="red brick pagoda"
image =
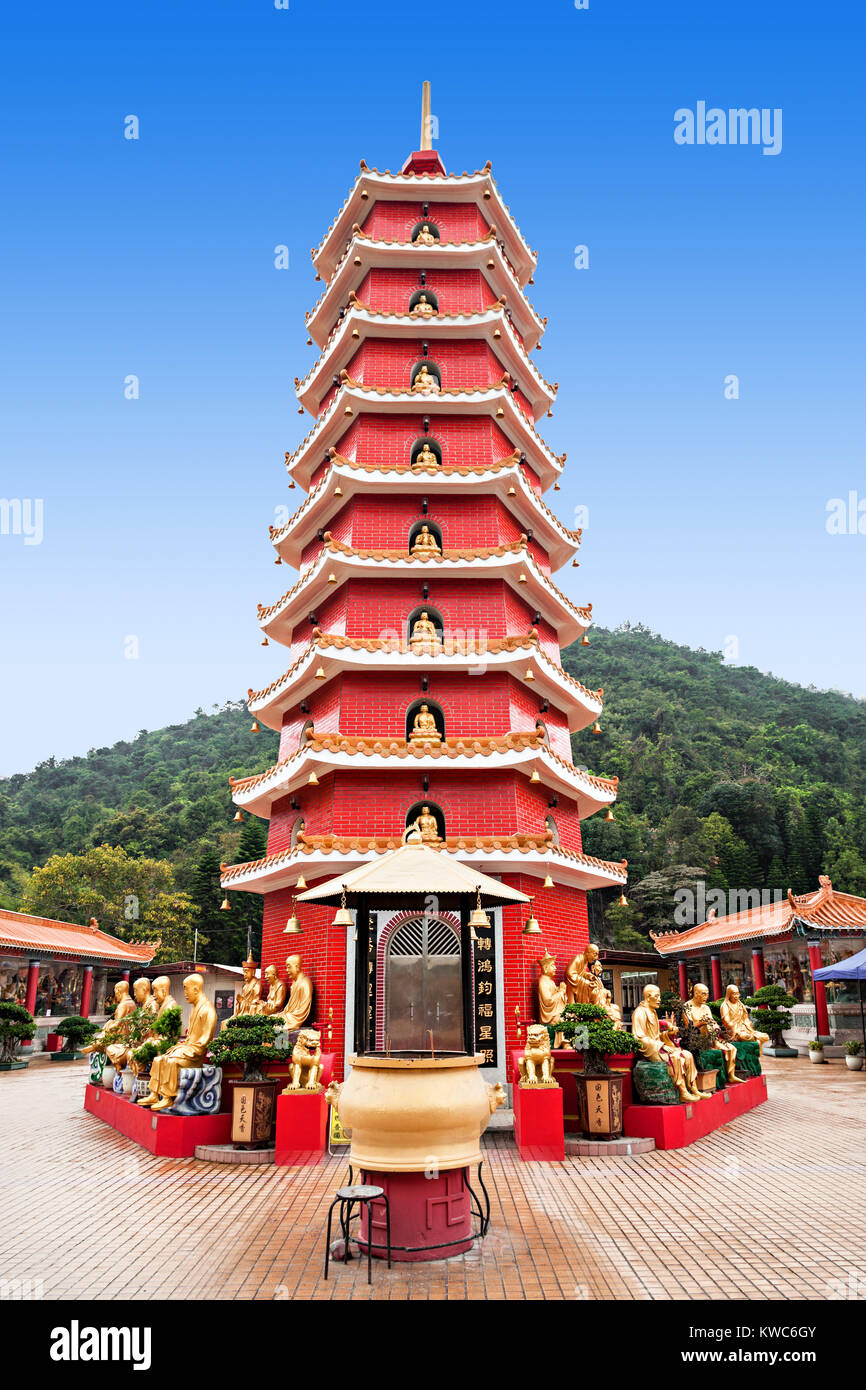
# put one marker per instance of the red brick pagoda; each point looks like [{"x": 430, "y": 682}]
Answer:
[{"x": 424, "y": 681}]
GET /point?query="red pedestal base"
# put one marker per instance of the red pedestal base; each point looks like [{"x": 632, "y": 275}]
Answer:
[
  {"x": 538, "y": 1123},
  {"x": 166, "y": 1135},
  {"x": 675, "y": 1126},
  {"x": 302, "y": 1129},
  {"x": 431, "y": 1218}
]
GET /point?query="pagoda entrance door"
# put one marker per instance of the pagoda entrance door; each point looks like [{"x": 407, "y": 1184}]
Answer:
[{"x": 423, "y": 989}]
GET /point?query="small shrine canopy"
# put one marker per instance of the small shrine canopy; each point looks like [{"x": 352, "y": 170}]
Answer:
[
  {"x": 824, "y": 912},
  {"x": 40, "y": 936},
  {"x": 414, "y": 869}
]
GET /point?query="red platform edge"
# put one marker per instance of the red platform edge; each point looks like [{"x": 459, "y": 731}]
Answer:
[
  {"x": 302, "y": 1130},
  {"x": 166, "y": 1136},
  {"x": 538, "y": 1124},
  {"x": 675, "y": 1126},
  {"x": 568, "y": 1063}
]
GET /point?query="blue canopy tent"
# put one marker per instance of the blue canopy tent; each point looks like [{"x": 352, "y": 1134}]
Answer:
[{"x": 854, "y": 968}]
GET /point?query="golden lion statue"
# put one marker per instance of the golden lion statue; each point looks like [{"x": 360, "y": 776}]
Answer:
[
  {"x": 306, "y": 1066},
  {"x": 536, "y": 1064}
]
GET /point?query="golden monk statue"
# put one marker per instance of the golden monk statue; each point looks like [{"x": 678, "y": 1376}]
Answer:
[
  {"x": 426, "y": 543},
  {"x": 613, "y": 1011},
  {"x": 125, "y": 1005},
  {"x": 425, "y": 458},
  {"x": 424, "y": 380},
  {"x": 424, "y": 632},
  {"x": 306, "y": 1066},
  {"x": 300, "y": 998},
  {"x": 162, "y": 994},
  {"x": 552, "y": 998},
  {"x": 276, "y": 999},
  {"x": 424, "y": 727},
  {"x": 657, "y": 1047},
  {"x": 428, "y": 826},
  {"x": 425, "y": 237},
  {"x": 423, "y": 309},
  {"x": 248, "y": 996},
  {"x": 736, "y": 1021},
  {"x": 698, "y": 1012},
  {"x": 583, "y": 978},
  {"x": 191, "y": 1051},
  {"x": 119, "y": 1054}
]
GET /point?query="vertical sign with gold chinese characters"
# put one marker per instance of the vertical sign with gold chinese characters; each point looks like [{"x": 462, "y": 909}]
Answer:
[{"x": 486, "y": 1040}]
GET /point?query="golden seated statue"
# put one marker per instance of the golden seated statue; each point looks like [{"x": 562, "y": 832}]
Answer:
[
  {"x": 423, "y": 309},
  {"x": 697, "y": 1011},
  {"x": 425, "y": 544},
  {"x": 428, "y": 827},
  {"x": 659, "y": 1046},
  {"x": 425, "y": 381},
  {"x": 424, "y": 728},
  {"x": 300, "y": 998},
  {"x": 552, "y": 997},
  {"x": 119, "y": 1053},
  {"x": 191, "y": 1051},
  {"x": 424, "y": 633},
  {"x": 536, "y": 1064},
  {"x": 425, "y": 237},
  {"x": 125, "y": 1005},
  {"x": 583, "y": 978},
  {"x": 276, "y": 997},
  {"x": 736, "y": 1021},
  {"x": 306, "y": 1065},
  {"x": 425, "y": 458}
]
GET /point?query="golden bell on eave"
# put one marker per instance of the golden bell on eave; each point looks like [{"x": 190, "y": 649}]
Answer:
[
  {"x": 237, "y": 816},
  {"x": 623, "y": 900},
  {"x": 343, "y": 917},
  {"x": 532, "y": 928},
  {"x": 548, "y": 881},
  {"x": 254, "y": 727},
  {"x": 312, "y": 780},
  {"x": 609, "y": 815},
  {"x": 596, "y": 728},
  {"x": 293, "y": 926},
  {"x": 535, "y": 777},
  {"x": 478, "y": 918},
  {"x": 301, "y": 883},
  {"x": 225, "y": 905}
]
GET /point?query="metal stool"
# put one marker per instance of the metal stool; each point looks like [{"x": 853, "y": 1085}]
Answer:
[{"x": 346, "y": 1199}]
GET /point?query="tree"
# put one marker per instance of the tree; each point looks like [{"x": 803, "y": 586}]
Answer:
[{"x": 106, "y": 883}]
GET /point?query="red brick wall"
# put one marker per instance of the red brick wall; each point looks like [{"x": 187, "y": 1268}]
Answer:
[
  {"x": 562, "y": 916},
  {"x": 458, "y": 291},
  {"x": 322, "y": 949},
  {"x": 389, "y": 221}
]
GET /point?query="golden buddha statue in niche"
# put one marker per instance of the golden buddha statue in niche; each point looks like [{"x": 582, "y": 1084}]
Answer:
[
  {"x": 191, "y": 1051},
  {"x": 736, "y": 1021},
  {"x": 276, "y": 996},
  {"x": 658, "y": 1047},
  {"x": 552, "y": 997},
  {"x": 424, "y": 728},
  {"x": 583, "y": 978},
  {"x": 425, "y": 544},
  {"x": 300, "y": 998},
  {"x": 697, "y": 1011},
  {"x": 423, "y": 309},
  {"x": 424, "y": 632},
  {"x": 125, "y": 1005},
  {"x": 425, "y": 458},
  {"x": 425, "y": 237},
  {"x": 424, "y": 380},
  {"x": 427, "y": 826}
]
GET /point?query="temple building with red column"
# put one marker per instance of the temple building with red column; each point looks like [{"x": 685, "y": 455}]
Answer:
[
  {"x": 777, "y": 943},
  {"x": 423, "y": 683}
]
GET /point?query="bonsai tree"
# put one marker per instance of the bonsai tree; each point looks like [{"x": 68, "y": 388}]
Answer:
[
  {"x": 248, "y": 1041},
  {"x": 774, "y": 1003},
  {"x": 17, "y": 1024},
  {"x": 167, "y": 1027},
  {"x": 591, "y": 1031},
  {"x": 76, "y": 1031}
]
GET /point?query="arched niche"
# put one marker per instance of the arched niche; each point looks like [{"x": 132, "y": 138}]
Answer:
[
  {"x": 550, "y": 827},
  {"x": 297, "y": 831},
  {"x": 434, "y": 529},
  {"x": 542, "y": 731},
  {"x": 433, "y": 368},
  {"x": 436, "y": 811},
  {"x": 305, "y": 733},
  {"x": 433, "y": 707},
  {"x": 424, "y": 294},
  {"x": 432, "y": 613},
  {"x": 432, "y": 444},
  {"x": 432, "y": 228}
]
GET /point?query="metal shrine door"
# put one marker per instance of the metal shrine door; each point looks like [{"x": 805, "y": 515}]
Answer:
[{"x": 423, "y": 989}]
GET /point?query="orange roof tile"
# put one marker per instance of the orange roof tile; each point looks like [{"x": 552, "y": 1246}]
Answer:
[
  {"x": 70, "y": 939},
  {"x": 825, "y": 910}
]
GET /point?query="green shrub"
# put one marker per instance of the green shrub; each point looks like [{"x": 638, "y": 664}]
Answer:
[
  {"x": 76, "y": 1031},
  {"x": 816, "y": 1045},
  {"x": 248, "y": 1041},
  {"x": 17, "y": 1025},
  {"x": 773, "y": 1001},
  {"x": 853, "y": 1047},
  {"x": 590, "y": 1031}
]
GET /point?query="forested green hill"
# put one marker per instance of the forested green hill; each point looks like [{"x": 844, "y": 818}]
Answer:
[{"x": 725, "y": 773}]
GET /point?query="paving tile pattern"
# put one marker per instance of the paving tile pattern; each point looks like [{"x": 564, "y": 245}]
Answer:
[{"x": 741, "y": 1214}]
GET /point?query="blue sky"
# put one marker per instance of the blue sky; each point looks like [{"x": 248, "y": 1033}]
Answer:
[{"x": 155, "y": 257}]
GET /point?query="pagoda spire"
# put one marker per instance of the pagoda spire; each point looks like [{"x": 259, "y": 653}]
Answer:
[{"x": 426, "y": 122}]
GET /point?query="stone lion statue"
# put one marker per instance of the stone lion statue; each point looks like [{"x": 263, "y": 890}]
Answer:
[
  {"x": 306, "y": 1064},
  {"x": 536, "y": 1064}
]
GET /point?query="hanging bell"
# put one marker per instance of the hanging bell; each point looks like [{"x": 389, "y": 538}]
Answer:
[
  {"x": 301, "y": 883},
  {"x": 584, "y": 641},
  {"x": 529, "y": 675},
  {"x": 254, "y": 727},
  {"x": 609, "y": 815},
  {"x": 532, "y": 928},
  {"x": 623, "y": 900},
  {"x": 320, "y": 673},
  {"x": 312, "y": 780},
  {"x": 293, "y": 926},
  {"x": 225, "y": 905},
  {"x": 343, "y": 917},
  {"x": 596, "y": 728},
  {"x": 478, "y": 918},
  {"x": 265, "y": 642},
  {"x": 548, "y": 881},
  {"x": 237, "y": 816},
  {"x": 535, "y": 777}
]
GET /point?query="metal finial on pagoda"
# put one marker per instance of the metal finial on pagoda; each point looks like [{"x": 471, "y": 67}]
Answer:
[{"x": 426, "y": 121}]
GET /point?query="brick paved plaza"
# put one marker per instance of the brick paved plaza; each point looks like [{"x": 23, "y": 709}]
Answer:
[{"x": 738, "y": 1215}]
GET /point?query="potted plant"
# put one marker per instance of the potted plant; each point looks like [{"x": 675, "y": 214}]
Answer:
[
  {"x": 17, "y": 1025},
  {"x": 248, "y": 1040},
  {"x": 853, "y": 1054},
  {"x": 816, "y": 1050},
  {"x": 773, "y": 1003},
  {"x": 591, "y": 1032},
  {"x": 75, "y": 1031},
  {"x": 167, "y": 1027}
]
